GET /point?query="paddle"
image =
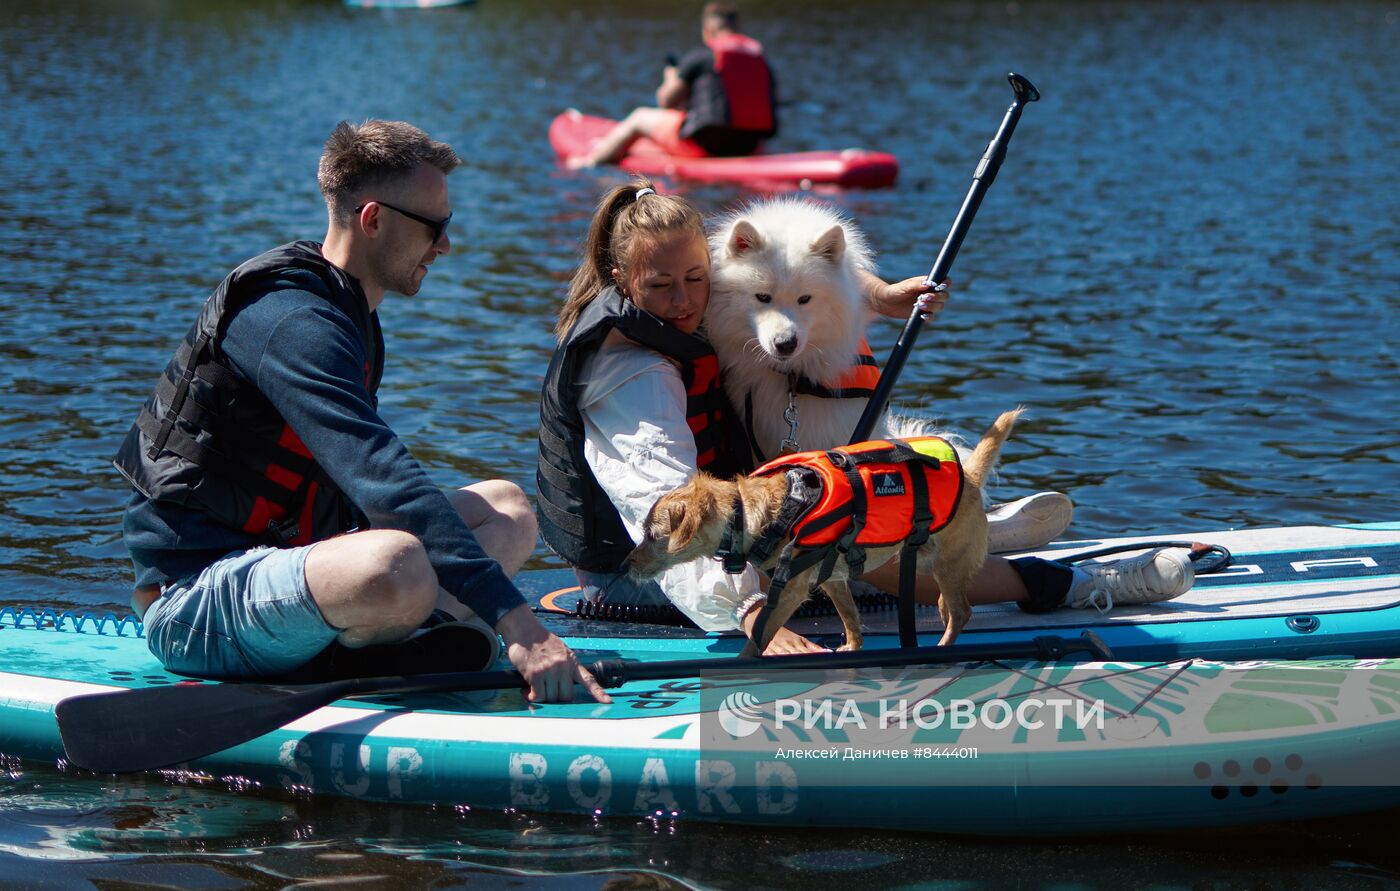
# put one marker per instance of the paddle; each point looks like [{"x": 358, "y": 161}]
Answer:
[
  {"x": 156, "y": 727},
  {"x": 982, "y": 179}
]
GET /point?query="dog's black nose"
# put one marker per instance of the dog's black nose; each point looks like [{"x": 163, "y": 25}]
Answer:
[{"x": 785, "y": 347}]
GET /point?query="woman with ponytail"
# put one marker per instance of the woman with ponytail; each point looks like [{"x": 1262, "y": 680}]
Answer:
[{"x": 632, "y": 406}]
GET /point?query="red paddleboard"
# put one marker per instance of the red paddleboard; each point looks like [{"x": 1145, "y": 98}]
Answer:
[{"x": 573, "y": 133}]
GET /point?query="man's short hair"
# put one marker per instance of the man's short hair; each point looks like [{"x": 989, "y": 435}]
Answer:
[
  {"x": 725, "y": 15},
  {"x": 359, "y": 157}
]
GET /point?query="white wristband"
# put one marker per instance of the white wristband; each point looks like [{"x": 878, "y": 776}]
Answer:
[{"x": 749, "y": 603}]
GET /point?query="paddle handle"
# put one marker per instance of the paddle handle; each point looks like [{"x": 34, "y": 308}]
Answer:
[{"x": 982, "y": 179}]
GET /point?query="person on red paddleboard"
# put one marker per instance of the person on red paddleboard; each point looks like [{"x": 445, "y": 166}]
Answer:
[{"x": 716, "y": 101}]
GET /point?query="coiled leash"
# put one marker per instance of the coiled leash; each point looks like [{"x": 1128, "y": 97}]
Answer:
[{"x": 1207, "y": 558}]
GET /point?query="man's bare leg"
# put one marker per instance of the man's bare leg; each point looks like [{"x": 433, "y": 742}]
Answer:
[
  {"x": 500, "y": 516},
  {"x": 378, "y": 586},
  {"x": 375, "y": 586},
  {"x": 614, "y": 145}
]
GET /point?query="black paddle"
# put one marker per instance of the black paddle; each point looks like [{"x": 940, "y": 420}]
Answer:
[
  {"x": 982, "y": 179},
  {"x": 156, "y": 727}
]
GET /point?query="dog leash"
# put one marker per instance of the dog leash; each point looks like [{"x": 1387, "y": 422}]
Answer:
[{"x": 789, "y": 445}]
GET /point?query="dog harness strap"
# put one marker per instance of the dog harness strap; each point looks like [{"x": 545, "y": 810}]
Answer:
[
  {"x": 829, "y": 563},
  {"x": 804, "y": 489},
  {"x": 791, "y": 562},
  {"x": 908, "y": 560},
  {"x": 854, "y": 553},
  {"x": 922, "y": 520},
  {"x": 782, "y": 574},
  {"x": 731, "y": 544},
  {"x": 908, "y": 633}
]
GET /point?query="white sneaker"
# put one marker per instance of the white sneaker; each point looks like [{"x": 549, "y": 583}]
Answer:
[
  {"x": 1147, "y": 578},
  {"x": 1028, "y": 523}
]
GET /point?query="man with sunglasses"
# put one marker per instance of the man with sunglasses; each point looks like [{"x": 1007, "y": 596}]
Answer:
[{"x": 276, "y": 517}]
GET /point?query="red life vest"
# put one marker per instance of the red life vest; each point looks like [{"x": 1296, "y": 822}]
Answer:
[
  {"x": 748, "y": 82},
  {"x": 875, "y": 494}
]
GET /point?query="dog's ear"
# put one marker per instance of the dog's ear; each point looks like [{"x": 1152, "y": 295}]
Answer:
[
  {"x": 831, "y": 245},
  {"x": 743, "y": 238},
  {"x": 685, "y": 525}
]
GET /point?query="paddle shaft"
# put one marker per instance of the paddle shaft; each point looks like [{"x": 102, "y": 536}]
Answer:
[
  {"x": 154, "y": 727},
  {"x": 615, "y": 672},
  {"x": 982, "y": 179}
]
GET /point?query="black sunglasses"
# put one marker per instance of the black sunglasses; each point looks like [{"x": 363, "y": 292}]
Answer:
[{"x": 436, "y": 227}]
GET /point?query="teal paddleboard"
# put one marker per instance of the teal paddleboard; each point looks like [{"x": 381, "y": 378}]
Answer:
[{"x": 992, "y": 747}]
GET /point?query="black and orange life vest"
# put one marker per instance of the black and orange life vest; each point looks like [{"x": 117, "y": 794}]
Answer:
[
  {"x": 875, "y": 494},
  {"x": 208, "y": 439},
  {"x": 843, "y": 501},
  {"x": 856, "y": 382},
  {"x": 577, "y": 519}
]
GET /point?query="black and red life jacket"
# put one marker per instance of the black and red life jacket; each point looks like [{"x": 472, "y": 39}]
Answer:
[
  {"x": 737, "y": 96},
  {"x": 577, "y": 519},
  {"x": 856, "y": 382},
  {"x": 875, "y": 494},
  {"x": 208, "y": 439},
  {"x": 748, "y": 82}
]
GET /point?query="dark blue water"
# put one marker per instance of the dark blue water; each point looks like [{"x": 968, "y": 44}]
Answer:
[{"x": 1187, "y": 269}]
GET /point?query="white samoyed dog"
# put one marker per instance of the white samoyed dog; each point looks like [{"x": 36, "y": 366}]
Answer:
[{"x": 786, "y": 303}]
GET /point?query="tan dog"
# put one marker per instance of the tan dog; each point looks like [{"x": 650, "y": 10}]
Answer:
[{"x": 691, "y": 521}]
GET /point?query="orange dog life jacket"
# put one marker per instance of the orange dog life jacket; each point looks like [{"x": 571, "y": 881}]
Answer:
[
  {"x": 876, "y": 494},
  {"x": 841, "y": 501}
]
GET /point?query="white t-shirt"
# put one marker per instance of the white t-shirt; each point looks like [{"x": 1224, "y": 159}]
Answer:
[{"x": 639, "y": 447}]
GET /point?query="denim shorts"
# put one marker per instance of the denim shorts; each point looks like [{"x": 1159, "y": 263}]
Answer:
[
  {"x": 249, "y": 614},
  {"x": 618, "y": 587}
]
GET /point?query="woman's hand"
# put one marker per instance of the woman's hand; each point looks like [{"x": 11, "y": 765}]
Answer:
[
  {"x": 897, "y": 300},
  {"x": 785, "y": 642}
]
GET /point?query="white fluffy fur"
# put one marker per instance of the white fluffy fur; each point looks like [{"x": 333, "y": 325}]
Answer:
[{"x": 791, "y": 249}]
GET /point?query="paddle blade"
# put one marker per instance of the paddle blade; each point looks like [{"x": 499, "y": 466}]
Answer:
[{"x": 156, "y": 727}]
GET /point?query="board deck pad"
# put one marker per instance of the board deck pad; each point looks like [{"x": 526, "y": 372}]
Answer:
[{"x": 1273, "y": 572}]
